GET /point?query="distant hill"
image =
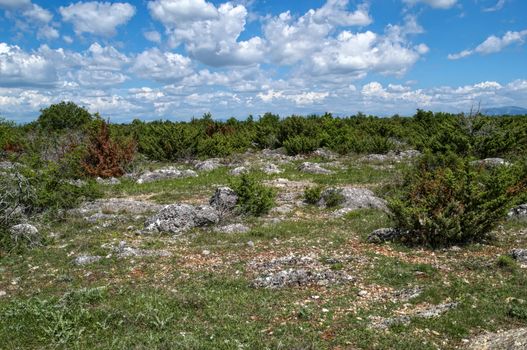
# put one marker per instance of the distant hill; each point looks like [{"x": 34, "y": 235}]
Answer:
[{"x": 507, "y": 110}]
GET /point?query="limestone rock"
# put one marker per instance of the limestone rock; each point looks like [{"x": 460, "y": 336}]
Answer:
[
  {"x": 177, "y": 218},
  {"x": 313, "y": 168}
]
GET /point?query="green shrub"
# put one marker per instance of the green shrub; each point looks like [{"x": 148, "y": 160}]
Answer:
[
  {"x": 518, "y": 309},
  {"x": 445, "y": 200},
  {"x": 333, "y": 197},
  {"x": 506, "y": 262},
  {"x": 53, "y": 192},
  {"x": 313, "y": 195},
  {"x": 64, "y": 115},
  {"x": 253, "y": 197},
  {"x": 300, "y": 145}
]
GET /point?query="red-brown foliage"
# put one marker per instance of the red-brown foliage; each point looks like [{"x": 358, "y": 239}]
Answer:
[{"x": 107, "y": 157}]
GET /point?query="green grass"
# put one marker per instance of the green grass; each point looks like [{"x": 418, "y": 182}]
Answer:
[{"x": 192, "y": 300}]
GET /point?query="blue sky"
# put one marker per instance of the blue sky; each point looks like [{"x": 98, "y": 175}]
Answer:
[{"x": 175, "y": 59}]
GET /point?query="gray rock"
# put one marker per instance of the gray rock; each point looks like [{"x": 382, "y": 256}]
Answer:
[
  {"x": 123, "y": 251},
  {"x": 325, "y": 153},
  {"x": 177, "y": 218},
  {"x": 77, "y": 183},
  {"x": 386, "y": 235},
  {"x": 519, "y": 254},
  {"x": 26, "y": 233},
  {"x": 436, "y": 310},
  {"x": 431, "y": 312},
  {"x": 108, "y": 181},
  {"x": 392, "y": 156},
  {"x": 165, "y": 174},
  {"x": 411, "y": 153},
  {"x": 117, "y": 206},
  {"x": 405, "y": 295},
  {"x": 224, "y": 199},
  {"x": 514, "y": 339},
  {"x": 270, "y": 169},
  {"x": 283, "y": 209},
  {"x": 355, "y": 198},
  {"x": 300, "y": 277},
  {"x": 101, "y": 217},
  {"x": 520, "y": 212},
  {"x": 7, "y": 166},
  {"x": 233, "y": 228},
  {"x": 313, "y": 168},
  {"x": 490, "y": 162},
  {"x": 208, "y": 165},
  {"x": 86, "y": 259},
  {"x": 239, "y": 170}
]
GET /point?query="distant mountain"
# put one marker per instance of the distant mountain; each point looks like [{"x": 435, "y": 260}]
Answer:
[{"x": 507, "y": 110}]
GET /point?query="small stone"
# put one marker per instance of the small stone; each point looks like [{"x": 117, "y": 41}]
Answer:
[
  {"x": 363, "y": 293},
  {"x": 3, "y": 293},
  {"x": 205, "y": 252},
  {"x": 86, "y": 259},
  {"x": 250, "y": 244}
]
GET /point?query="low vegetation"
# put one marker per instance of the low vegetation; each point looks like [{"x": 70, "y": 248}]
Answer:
[{"x": 291, "y": 266}]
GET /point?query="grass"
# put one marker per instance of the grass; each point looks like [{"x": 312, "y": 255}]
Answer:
[{"x": 198, "y": 300}]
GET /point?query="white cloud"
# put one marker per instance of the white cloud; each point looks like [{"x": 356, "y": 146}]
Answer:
[
  {"x": 291, "y": 40},
  {"x": 303, "y": 98},
  {"x": 97, "y": 66},
  {"x": 48, "y": 32},
  {"x": 170, "y": 12},
  {"x": 336, "y": 13},
  {"x": 153, "y": 36},
  {"x": 439, "y": 4},
  {"x": 493, "y": 44},
  {"x": 20, "y": 68},
  {"x": 14, "y": 4},
  {"x": 161, "y": 66},
  {"x": 32, "y": 18},
  {"x": 209, "y": 34},
  {"x": 37, "y": 13},
  {"x": 499, "y": 5},
  {"x": 395, "y": 93},
  {"x": 99, "y": 18}
]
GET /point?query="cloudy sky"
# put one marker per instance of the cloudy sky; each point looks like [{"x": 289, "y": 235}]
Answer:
[{"x": 175, "y": 59}]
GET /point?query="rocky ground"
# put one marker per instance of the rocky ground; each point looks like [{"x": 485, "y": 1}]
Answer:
[{"x": 165, "y": 261}]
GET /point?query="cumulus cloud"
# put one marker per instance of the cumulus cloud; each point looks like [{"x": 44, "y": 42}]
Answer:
[
  {"x": 493, "y": 44},
  {"x": 21, "y": 68},
  {"x": 153, "y": 36},
  {"x": 209, "y": 33},
  {"x": 438, "y": 4},
  {"x": 161, "y": 66},
  {"x": 291, "y": 40},
  {"x": 303, "y": 98},
  {"x": 98, "y": 18},
  {"x": 14, "y": 4},
  {"x": 31, "y": 18}
]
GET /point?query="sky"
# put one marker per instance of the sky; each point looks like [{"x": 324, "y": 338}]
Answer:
[{"x": 178, "y": 59}]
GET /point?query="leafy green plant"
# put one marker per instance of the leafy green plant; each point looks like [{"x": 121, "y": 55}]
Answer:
[
  {"x": 301, "y": 145},
  {"x": 506, "y": 262},
  {"x": 64, "y": 115},
  {"x": 313, "y": 195},
  {"x": 253, "y": 197},
  {"x": 333, "y": 197},
  {"x": 445, "y": 200}
]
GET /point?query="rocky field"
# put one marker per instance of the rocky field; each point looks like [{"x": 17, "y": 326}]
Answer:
[{"x": 164, "y": 261}]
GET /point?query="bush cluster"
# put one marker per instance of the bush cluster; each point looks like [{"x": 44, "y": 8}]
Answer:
[
  {"x": 253, "y": 197},
  {"x": 447, "y": 199}
]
